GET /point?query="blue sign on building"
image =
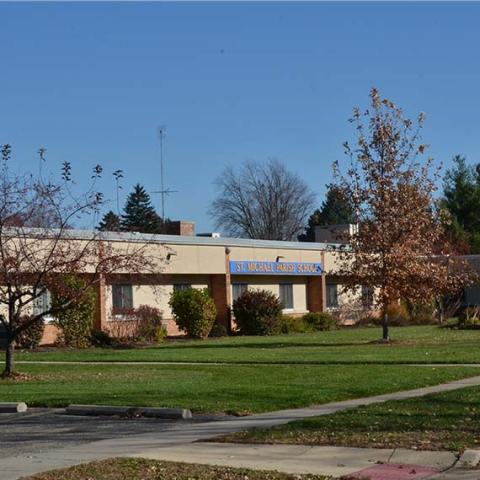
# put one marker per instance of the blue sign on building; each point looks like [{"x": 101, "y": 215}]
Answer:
[{"x": 248, "y": 267}]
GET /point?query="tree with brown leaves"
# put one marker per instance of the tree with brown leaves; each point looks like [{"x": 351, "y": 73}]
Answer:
[
  {"x": 38, "y": 247},
  {"x": 399, "y": 250}
]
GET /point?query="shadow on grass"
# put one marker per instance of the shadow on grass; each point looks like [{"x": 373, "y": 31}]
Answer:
[{"x": 261, "y": 346}]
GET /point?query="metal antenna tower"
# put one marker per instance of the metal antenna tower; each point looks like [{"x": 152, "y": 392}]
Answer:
[
  {"x": 163, "y": 191},
  {"x": 118, "y": 174}
]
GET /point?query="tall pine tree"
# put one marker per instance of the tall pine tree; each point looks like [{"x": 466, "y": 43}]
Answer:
[
  {"x": 461, "y": 197},
  {"x": 336, "y": 209},
  {"x": 110, "y": 223},
  {"x": 139, "y": 214}
]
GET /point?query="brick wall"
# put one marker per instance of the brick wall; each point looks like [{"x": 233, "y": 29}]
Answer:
[
  {"x": 180, "y": 228},
  {"x": 50, "y": 334},
  {"x": 220, "y": 293},
  {"x": 316, "y": 295}
]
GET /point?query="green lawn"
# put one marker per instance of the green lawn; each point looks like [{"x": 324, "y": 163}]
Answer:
[
  {"x": 425, "y": 344},
  {"x": 442, "y": 421},
  {"x": 253, "y": 374},
  {"x": 141, "y": 469},
  {"x": 217, "y": 388}
]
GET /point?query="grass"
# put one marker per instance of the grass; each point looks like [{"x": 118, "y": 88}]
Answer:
[
  {"x": 442, "y": 421},
  {"x": 422, "y": 344},
  {"x": 254, "y": 374},
  {"x": 216, "y": 388},
  {"x": 141, "y": 469}
]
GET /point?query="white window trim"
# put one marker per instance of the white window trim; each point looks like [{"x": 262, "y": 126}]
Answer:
[{"x": 48, "y": 319}]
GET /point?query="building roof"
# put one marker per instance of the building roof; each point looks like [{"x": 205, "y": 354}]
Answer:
[
  {"x": 473, "y": 260},
  {"x": 193, "y": 240}
]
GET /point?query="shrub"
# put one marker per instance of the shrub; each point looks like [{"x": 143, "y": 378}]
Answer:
[
  {"x": 397, "y": 315},
  {"x": 125, "y": 328},
  {"x": 369, "y": 320},
  {"x": 76, "y": 321},
  {"x": 100, "y": 338},
  {"x": 469, "y": 317},
  {"x": 142, "y": 324},
  {"x": 32, "y": 336},
  {"x": 152, "y": 333},
  {"x": 150, "y": 326},
  {"x": 320, "y": 321},
  {"x": 289, "y": 324},
  {"x": 400, "y": 315},
  {"x": 218, "y": 330},
  {"x": 351, "y": 311},
  {"x": 420, "y": 313},
  {"x": 257, "y": 312},
  {"x": 194, "y": 311}
]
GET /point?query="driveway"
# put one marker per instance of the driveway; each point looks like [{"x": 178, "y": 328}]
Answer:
[
  {"x": 43, "y": 440},
  {"x": 39, "y": 430}
]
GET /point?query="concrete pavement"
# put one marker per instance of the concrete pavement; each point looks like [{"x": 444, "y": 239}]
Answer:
[
  {"x": 296, "y": 459},
  {"x": 176, "y": 439}
]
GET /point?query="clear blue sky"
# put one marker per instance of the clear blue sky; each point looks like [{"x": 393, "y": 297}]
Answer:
[{"x": 234, "y": 81}]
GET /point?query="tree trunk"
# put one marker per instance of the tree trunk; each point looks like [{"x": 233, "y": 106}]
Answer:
[
  {"x": 442, "y": 314},
  {"x": 9, "y": 358},
  {"x": 386, "y": 333}
]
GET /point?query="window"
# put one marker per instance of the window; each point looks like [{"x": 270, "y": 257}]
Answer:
[
  {"x": 122, "y": 296},
  {"x": 180, "y": 287},
  {"x": 332, "y": 295},
  {"x": 238, "y": 289},
  {"x": 42, "y": 304},
  {"x": 286, "y": 295},
  {"x": 367, "y": 296}
]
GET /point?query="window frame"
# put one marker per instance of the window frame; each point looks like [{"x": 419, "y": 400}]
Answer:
[
  {"x": 122, "y": 309},
  {"x": 181, "y": 287},
  {"x": 44, "y": 298},
  {"x": 367, "y": 296},
  {"x": 281, "y": 295},
  {"x": 328, "y": 288},
  {"x": 243, "y": 287}
]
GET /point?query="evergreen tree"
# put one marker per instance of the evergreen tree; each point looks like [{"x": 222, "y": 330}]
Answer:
[
  {"x": 335, "y": 210},
  {"x": 461, "y": 198},
  {"x": 139, "y": 214},
  {"x": 110, "y": 222}
]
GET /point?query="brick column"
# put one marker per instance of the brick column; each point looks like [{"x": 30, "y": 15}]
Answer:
[
  {"x": 220, "y": 285},
  {"x": 324, "y": 284},
  {"x": 317, "y": 291},
  {"x": 101, "y": 306}
]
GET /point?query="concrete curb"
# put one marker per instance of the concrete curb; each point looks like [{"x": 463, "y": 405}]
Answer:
[
  {"x": 13, "y": 407},
  {"x": 469, "y": 459},
  {"x": 168, "y": 413}
]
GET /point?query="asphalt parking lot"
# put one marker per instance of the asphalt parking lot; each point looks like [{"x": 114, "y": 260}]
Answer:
[{"x": 39, "y": 430}]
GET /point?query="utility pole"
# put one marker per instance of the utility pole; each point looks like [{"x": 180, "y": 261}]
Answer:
[
  {"x": 118, "y": 174},
  {"x": 163, "y": 191}
]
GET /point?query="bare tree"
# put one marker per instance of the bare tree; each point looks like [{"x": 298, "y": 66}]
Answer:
[
  {"x": 263, "y": 201},
  {"x": 36, "y": 260},
  {"x": 400, "y": 250}
]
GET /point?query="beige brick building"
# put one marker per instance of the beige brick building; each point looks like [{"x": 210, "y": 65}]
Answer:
[{"x": 301, "y": 274}]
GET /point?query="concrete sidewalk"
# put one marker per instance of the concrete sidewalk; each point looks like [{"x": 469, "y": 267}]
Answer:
[
  {"x": 177, "y": 439},
  {"x": 377, "y": 464},
  {"x": 297, "y": 459}
]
